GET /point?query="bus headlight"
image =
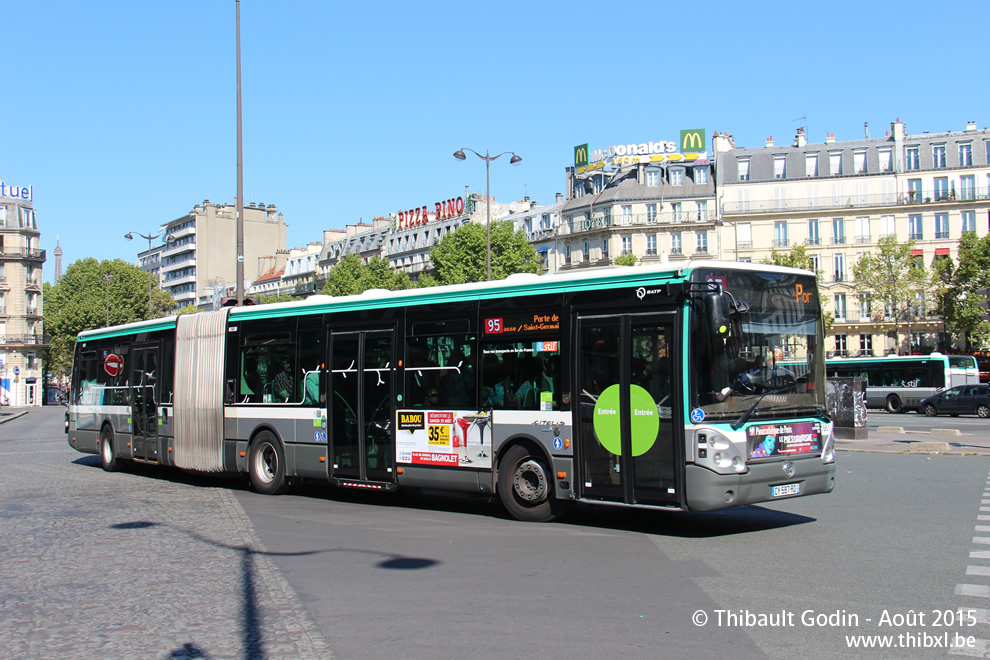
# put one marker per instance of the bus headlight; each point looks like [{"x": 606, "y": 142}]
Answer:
[
  {"x": 723, "y": 456},
  {"x": 828, "y": 449}
]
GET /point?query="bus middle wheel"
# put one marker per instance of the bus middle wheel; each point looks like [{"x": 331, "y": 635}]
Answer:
[
  {"x": 267, "y": 465},
  {"x": 525, "y": 486}
]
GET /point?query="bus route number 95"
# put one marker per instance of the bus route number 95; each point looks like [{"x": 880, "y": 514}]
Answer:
[{"x": 493, "y": 326}]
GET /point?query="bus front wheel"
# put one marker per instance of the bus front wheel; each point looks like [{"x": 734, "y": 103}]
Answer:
[
  {"x": 267, "y": 465},
  {"x": 107, "y": 458},
  {"x": 525, "y": 486},
  {"x": 894, "y": 404}
]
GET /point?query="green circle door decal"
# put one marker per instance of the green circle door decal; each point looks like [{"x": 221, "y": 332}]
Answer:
[{"x": 643, "y": 417}]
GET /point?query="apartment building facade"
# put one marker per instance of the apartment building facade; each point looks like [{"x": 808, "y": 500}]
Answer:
[
  {"x": 840, "y": 198},
  {"x": 22, "y": 339}
]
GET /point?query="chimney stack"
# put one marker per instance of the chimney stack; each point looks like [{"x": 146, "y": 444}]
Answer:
[
  {"x": 970, "y": 126},
  {"x": 769, "y": 141},
  {"x": 829, "y": 138},
  {"x": 800, "y": 140}
]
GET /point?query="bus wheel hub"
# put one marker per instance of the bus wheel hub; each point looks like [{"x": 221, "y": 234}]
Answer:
[{"x": 530, "y": 481}]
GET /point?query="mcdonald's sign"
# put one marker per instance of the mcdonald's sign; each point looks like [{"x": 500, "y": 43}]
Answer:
[
  {"x": 581, "y": 155},
  {"x": 693, "y": 139}
]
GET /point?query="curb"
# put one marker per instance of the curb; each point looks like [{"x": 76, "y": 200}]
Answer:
[{"x": 6, "y": 417}]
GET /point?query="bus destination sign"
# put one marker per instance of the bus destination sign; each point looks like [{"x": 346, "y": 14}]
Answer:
[{"x": 522, "y": 324}]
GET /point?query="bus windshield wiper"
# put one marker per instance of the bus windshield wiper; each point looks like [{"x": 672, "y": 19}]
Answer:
[{"x": 752, "y": 409}]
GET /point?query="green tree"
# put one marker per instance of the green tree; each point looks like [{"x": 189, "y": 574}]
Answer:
[
  {"x": 461, "y": 256},
  {"x": 626, "y": 260},
  {"x": 84, "y": 300},
  {"x": 352, "y": 276},
  {"x": 798, "y": 257},
  {"x": 894, "y": 282},
  {"x": 956, "y": 286}
]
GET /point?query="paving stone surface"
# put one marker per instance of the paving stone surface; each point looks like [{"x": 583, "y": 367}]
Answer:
[{"x": 149, "y": 563}]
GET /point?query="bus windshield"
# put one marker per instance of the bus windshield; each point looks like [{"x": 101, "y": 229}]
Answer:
[{"x": 767, "y": 362}]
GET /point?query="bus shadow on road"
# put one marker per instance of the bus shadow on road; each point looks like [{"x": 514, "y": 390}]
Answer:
[{"x": 685, "y": 524}]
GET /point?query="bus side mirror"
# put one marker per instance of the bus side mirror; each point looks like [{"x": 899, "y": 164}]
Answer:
[{"x": 717, "y": 311}]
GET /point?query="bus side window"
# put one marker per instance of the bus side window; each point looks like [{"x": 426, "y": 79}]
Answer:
[{"x": 440, "y": 372}]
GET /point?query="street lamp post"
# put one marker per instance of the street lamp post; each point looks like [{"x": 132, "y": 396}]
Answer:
[
  {"x": 151, "y": 278},
  {"x": 107, "y": 278},
  {"x": 515, "y": 160}
]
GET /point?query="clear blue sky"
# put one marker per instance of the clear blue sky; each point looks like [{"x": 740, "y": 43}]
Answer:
[{"x": 121, "y": 114}]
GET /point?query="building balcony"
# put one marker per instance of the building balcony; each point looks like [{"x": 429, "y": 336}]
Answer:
[
  {"x": 32, "y": 310},
  {"x": 826, "y": 203},
  {"x": 24, "y": 340},
  {"x": 638, "y": 220},
  {"x": 32, "y": 285},
  {"x": 176, "y": 281},
  {"x": 11, "y": 253}
]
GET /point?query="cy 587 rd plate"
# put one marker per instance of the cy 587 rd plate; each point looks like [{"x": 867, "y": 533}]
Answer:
[{"x": 786, "y": 489}]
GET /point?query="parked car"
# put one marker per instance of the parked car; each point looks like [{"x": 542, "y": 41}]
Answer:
[{"x": 958, "y": 400}]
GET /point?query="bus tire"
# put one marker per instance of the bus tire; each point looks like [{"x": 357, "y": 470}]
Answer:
[
  {"x": 525, "y": 486},
  {"x": 267, "y": 465},
  {"x": 894, "y": 404},
  {"x": 108, "y": 460},
  {"x": 983, "y": 411}
]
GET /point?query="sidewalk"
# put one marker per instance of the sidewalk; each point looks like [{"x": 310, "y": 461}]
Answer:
[
  {"x": 890, "y": 439},
  {"x": 7, "y": 413}
]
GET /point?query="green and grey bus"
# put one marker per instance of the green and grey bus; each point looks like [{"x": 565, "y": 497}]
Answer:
[
  {"x": 898, "y": 383},
  {"x": 648, "y": 387}
]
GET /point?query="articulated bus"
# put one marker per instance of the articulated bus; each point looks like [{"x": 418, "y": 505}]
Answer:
[
  {"x": 898, "y": 383},
  {"x": 610, "y": 386}
]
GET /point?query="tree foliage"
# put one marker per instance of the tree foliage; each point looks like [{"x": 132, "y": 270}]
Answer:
[
  {"x": 894, "y": 282},
  {"x": 352, "y": 276},
  {"x": 955, "y": 286},
  {"x": 83, "y": 300},
  {"x": 461, "y": 256},
  {"x": 626, "y": 260}
]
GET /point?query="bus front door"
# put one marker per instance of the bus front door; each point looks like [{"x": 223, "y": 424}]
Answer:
[
  {"x": 144, "y": 405},
  {"x": 360, "y": 407},
  {"x": 627, "y": 404}
]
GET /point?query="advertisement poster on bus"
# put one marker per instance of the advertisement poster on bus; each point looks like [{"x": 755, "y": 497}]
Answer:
[
  {"x": 791, "y": 439},
  {"x": 459, "y": 438}
]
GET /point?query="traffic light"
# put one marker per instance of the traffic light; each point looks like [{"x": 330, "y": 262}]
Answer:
[{"x": 985, "y": 303}]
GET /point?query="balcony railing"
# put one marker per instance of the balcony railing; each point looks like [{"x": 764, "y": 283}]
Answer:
[
  {"x": 598, "y": 222},
  {"x": 23, "y": 340},
  {"x": 21, "y": 253},
  {"x": 850, "y": 202}
]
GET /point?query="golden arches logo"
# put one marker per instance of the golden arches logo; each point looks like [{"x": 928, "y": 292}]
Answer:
[
  {"x": 693, "y": 139},
  {"x": 581, "y": 155}
]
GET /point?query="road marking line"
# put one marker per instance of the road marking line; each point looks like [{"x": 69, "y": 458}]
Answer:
[
  {"x": 978, "y": 590},
  {"x": 979, "y": 554},
  {"x": 978, "y": 570},
  {"x": 983, "y": 528},
  {"x": 978, "y": 650},
  {"x": 982, "y": 540}
]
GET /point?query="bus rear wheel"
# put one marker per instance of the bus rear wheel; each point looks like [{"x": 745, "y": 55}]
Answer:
[
  {"x": 525, "y": 486},
  {"x": 267, "y": 465},
  {"x": 107, "y": 458},
  {"x": 894, "y": 404}
]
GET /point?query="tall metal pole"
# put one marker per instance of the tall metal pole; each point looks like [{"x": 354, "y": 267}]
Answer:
[
  {"x": 488, "y": 212},
  {"x": 240, "y": 172},
  {"x": 151, "y": 283}
]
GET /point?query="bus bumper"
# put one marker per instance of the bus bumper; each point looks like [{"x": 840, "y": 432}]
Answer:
[{"x": 707, "y": 490}]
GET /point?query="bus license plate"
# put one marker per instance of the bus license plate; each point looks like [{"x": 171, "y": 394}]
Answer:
[{"x": 786, "y": 489}]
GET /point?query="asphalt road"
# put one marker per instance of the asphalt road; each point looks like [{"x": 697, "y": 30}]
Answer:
[
  {"x": 450, "y": 577},
  {"x": 113, "y": 565}
]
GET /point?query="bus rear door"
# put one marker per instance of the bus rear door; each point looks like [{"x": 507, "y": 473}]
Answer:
[
  {"x": 144, "y": 403},
  {"x": 627, "y": 408},
  {"x": 361, "y": 406}
]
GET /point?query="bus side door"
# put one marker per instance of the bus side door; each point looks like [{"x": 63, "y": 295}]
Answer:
[
  {"x": 144, "y": 403},
  {"x": 627, "y": 406},
  {"x": 361, "y": 409}
]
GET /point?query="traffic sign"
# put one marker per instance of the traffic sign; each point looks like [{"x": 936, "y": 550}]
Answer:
[
  {"x": 17, "y": 371},
  {"x": 113, "y": 364}
]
